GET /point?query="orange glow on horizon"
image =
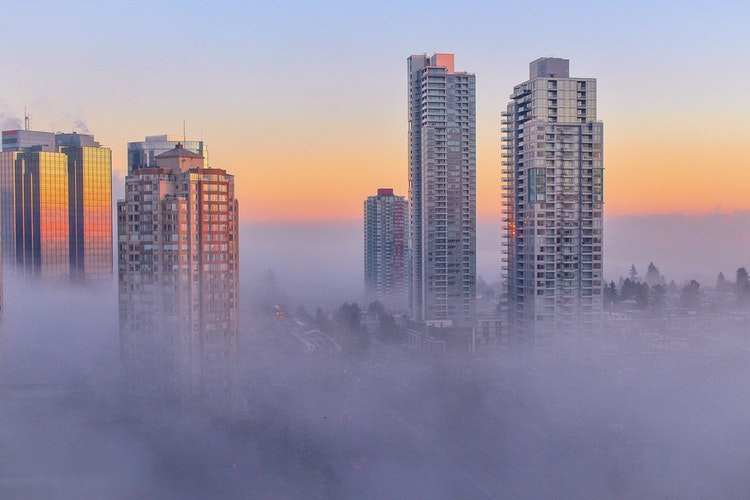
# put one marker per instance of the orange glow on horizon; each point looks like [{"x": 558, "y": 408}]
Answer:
[
  {"x": 675, "y": 174},
  {"x": 303, "y": 170}
]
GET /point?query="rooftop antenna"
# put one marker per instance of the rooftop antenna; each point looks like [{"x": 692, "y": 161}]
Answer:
[
  {"x": 26, "y": 120},
  {"x": 205, "y": 151},
  {"x": 184, "y": 136}
]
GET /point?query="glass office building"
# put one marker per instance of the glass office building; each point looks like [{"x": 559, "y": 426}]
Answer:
[
  {"x": 42, "y": 214},
  {"x": 90, "y": 209},
  {"x": 57, "y": 206},
  {"x": 8, "y": 204}
]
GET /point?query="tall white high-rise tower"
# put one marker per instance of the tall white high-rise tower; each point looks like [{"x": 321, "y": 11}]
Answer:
[
  {"x": 442, "y": 190},
  {"x": 553, "y": 201}
]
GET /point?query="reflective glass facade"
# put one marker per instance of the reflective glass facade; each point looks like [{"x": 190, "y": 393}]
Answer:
[
  {"x": 57, "y": 208},
  {"x": 42, "y": 217},
  {"x": 8, "y": 205},
  {"x": 89, "y": 187}
]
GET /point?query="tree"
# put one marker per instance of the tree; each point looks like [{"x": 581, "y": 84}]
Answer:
[
  {"x": 610, "y": 295},
  {"x": 721, "y": 283},
  {"x": 633, "y": 274},
  {"x": 376, "y": 309},
  {"x": 642, "y": 295},
  {"x": 690, "y": 295},
  {"x": 658, "y": 297},
  {"x": 743, "y": 286},
  {"x": 350, "y": 316},
  {"x": 356, "y": 340},
  {"x": 628, "y": 290},
  {"x": 388, "y": 330},
  {"x": 653, "y": 276}
]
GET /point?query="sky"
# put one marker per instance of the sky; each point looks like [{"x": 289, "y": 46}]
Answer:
[{"x": 306, "y": 102}]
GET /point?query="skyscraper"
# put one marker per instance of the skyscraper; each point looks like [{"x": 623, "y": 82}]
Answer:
[
  {"x": 8, "y": 205},
  {"x": 42, "y": 214},
  {"x": 442, "y": 190},
  {"x": 15, "y": 142},
  {"x": 553, "y": 198},
  {"x": 178, "y": 277},
  {"x": 386, "y": 249},
  {"x": 90, "y": 206},
  {"x": 142, "y": 154},
  {"x": 56, "y": 200}
]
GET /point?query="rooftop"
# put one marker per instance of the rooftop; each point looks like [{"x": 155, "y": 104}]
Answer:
[{"x": 178, "y": 152}]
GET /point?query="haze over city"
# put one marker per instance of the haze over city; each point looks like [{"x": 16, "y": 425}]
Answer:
[{"x": 304, "y": 109}]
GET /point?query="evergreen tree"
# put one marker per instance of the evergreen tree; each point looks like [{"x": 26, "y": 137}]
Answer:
[
  {"x": 690, "y": 295},
  {"x": 610, "y": 295},
  {"x": 743, "y": 286},
  {"x": 355, "y": 340},
  {"x": 653, "y": 276},
  {"x": 628, "y": 289},
  {"x": 658, "y": 297},
  {"x": 376, "y": 309},
  {"x": 721, "y": 283},
  {"x": 388, "y": 330},
  {"x": 642, "y": 295},
  {"x": 633, "y": 275}
]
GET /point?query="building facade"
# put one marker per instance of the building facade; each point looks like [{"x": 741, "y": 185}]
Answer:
[
  {"x": 442, "y": 190},
  {"x": 178, "y": 275},
  {"x": 22, "y": 140},
  {"x": 142, "y": 154},
  {"x": 90, "y": 206},
  {"x": 56, "y": 203},
  {"x": 386, "y": 249},
  {"x": 8, "y": 205},
  {"x": 553, "y": 203},
  {"x": 15, "y": 142}
]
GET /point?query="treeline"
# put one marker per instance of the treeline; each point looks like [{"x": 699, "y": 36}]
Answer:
[
  {"x": 346, "y": 325},
  {"x": 652, "y": 293}
]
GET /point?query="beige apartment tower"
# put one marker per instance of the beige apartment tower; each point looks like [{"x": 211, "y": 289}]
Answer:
[{"x": 178, "y": 271}]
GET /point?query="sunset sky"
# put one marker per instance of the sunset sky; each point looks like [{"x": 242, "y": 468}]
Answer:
[{"x": 305, "y": 102}]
